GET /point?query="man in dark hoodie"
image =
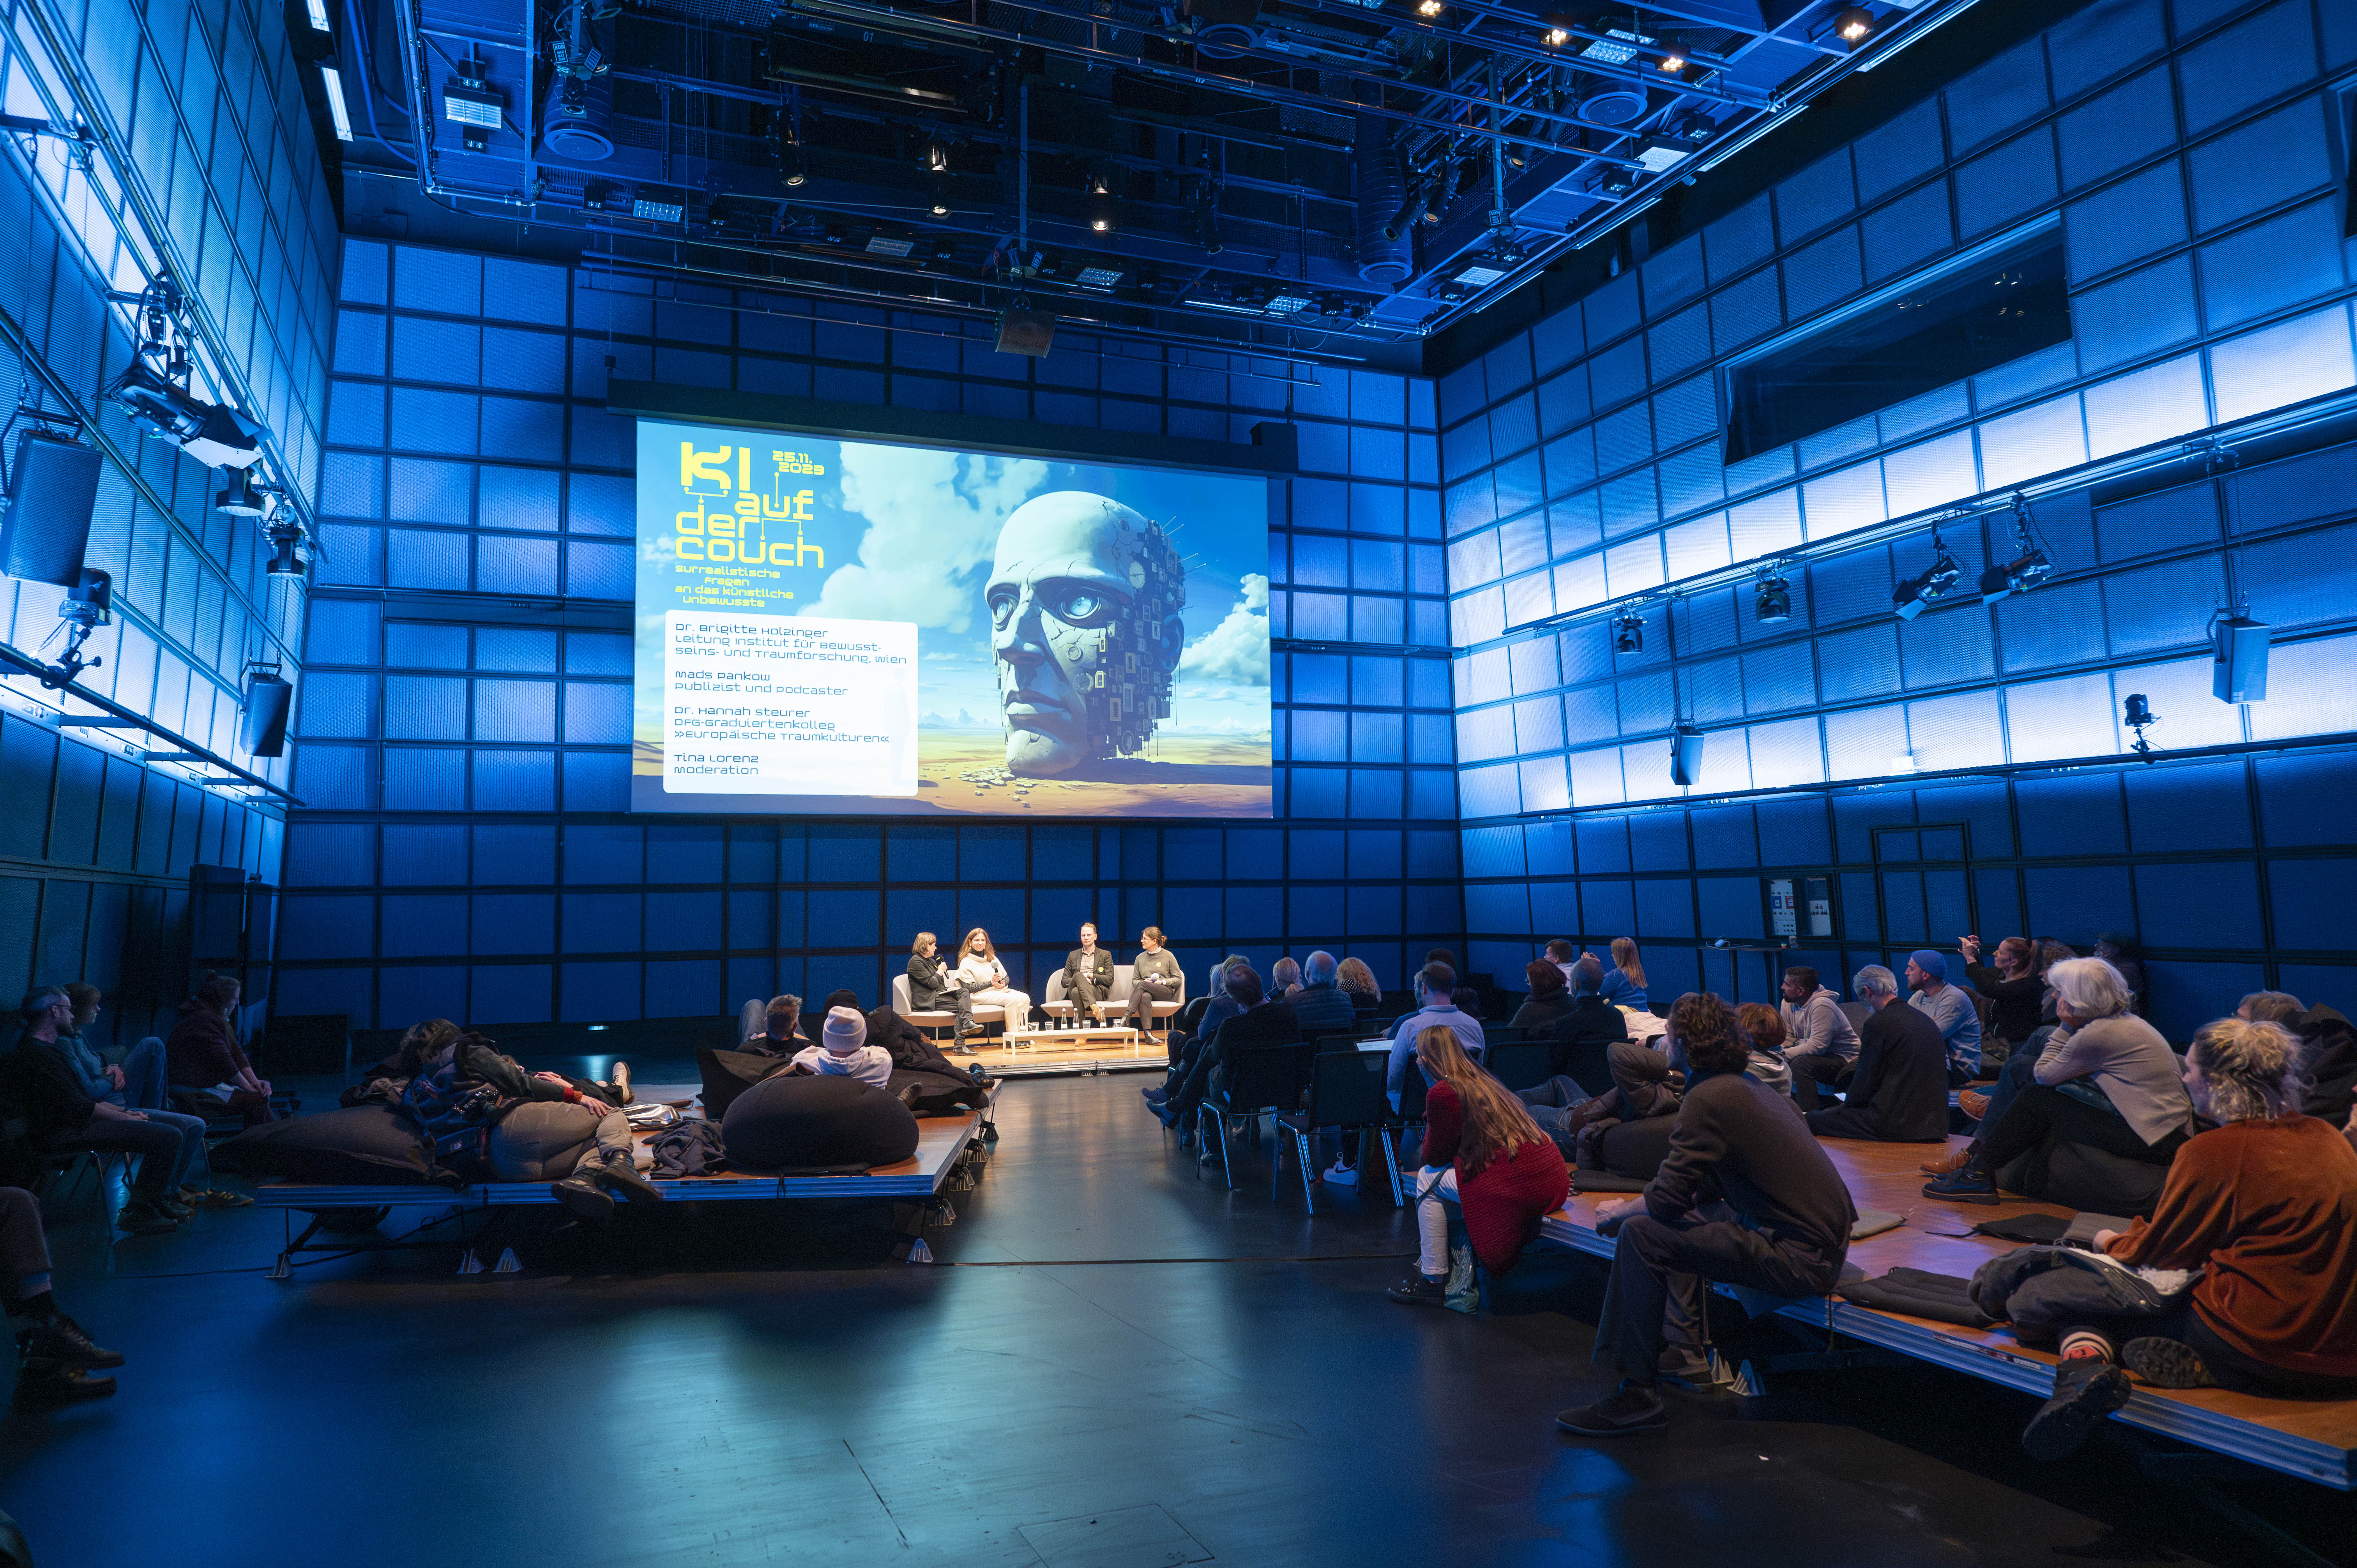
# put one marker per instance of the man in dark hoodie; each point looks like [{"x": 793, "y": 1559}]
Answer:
[
  {"x": 2330, "y": 1058},
  {"x": 1588, "y": 1028}
]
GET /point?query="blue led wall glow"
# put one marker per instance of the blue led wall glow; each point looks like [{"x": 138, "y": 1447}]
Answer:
[
  {"x": 465, "y": 722},
  {"x": 2208, "y": 281}
]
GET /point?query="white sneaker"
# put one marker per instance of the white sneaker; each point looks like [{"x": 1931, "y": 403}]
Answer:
[{"x": 1341, "y": 1176}]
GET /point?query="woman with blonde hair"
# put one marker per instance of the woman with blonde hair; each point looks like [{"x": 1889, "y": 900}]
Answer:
[
  {"x": 2263, "y": 1207},
  {"x": 1624, "y": 982},
  {"x": 1356, "y": 982},
  {"x": 986, "y": 982},
  {"x": 1483, "y": 1152}
]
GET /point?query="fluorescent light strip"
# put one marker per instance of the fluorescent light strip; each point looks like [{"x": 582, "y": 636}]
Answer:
[
  {"x": 333, "y": 81},
  {"x": 319, "y": 16}
]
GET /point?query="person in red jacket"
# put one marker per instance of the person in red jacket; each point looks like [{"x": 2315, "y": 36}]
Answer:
[
  {"x": 1483, "y": 1152},
  {"x": 203, "y": 1052}
]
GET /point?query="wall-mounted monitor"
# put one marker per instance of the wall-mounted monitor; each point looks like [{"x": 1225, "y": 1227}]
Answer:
[{"x": 832, "y": 624}]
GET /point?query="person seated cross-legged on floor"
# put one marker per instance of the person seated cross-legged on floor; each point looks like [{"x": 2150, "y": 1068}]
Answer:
[
  {"x": 1484, "y": 1152},
  {"x": 2105, "y": 1078},
  {"x": 781, "y": 1031},
  {"x": 490, "y": 1120},
  {"x": 1949, "y": 1006},
  {"x": 1745, "y": 1197},
  {"x": 1900, "y": 1093},
  {"x": 2264, "y": 1206},
  {"x": 1819, "y": 1042},
  {"x": 844, "y": 1051}
]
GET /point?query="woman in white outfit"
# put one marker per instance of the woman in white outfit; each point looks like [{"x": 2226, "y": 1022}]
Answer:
[{"x": 985, "y": 979}]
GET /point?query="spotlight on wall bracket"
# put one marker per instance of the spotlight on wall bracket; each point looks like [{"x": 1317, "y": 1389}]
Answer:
[
  {"x": 1854, "y": 26},
  {"x": 1628, "y": 633},
  {"x": 1910, "y": 598},
  {"x": 285, "y": 559},
  {"x": 241, "y": 496},
  {"x": 2026, "y": 571},
  {"x": 2136, "y": 711},
  {"x": 1771, "y": 595},
  {"x": 215, "y": 435}
]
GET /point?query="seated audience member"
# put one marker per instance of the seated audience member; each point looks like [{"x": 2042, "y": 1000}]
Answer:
[
  {"x": 1259, "y": 1022},
  {"x": 2016, "y": 987},
  {"x": 1645, "y": 1086},
  {"x": 1284, "y": 980},
  {"x": 1434, "y": 984},
  {"x": 1949, "y": 1008},
  {"x": 1356, "y": 982},
  {"x": 1763, "y": 1028},
  {"x": 2140, "y": 1113},
  {"x": 1482, "y": 1152},
  {"x": 906, "y": 1044},
  {"x": 2119, "y": 950},
  {"x": 842, "y": 1050},
  {"x": 1088, "y": 977},
  {"x": 137, "y": 1082},
  {"x": 1198, "y": 1022},
  {"x": 1624, "y": 982},
  {"x": 2050, "y": 953},
  {"x": 1900, "y": 1092},
  {"x": 934, "y": 985},
  {"x": 2263, "y": 1209},
  {"x": 1154, "y": 977},
  {"x": 55, "y": 1358},
  {"x": 1562, "y": 955},
  {"x": 1819, "y": 1043},
  {"x": 2328, "y": 1050},
  {"x": 39, "y": 1076},
  {"x": 1319, "y": 1003},
  {"x": 490, "y": 1120},
  {"x": 986, "y": 980},
  {"x": 1440, "y": 955},
  {"x": 1744, "y": 1196},
  {"x": 781, "y": 1029},
  {"x": 1550, "y": 998},
  {"x": 203, "y": 1054},
  {"x": 1590, "y": 1023}
]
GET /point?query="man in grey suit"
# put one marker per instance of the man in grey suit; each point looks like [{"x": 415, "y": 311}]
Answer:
[{"x": 1088, "y": 976}]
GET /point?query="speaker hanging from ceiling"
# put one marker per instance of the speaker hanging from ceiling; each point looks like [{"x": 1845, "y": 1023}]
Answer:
[
  {"x": 2238, "y": 658},
  {"x": 268, "y": 701},
  {"x": 1685, "y": 754},
  {"x": 53, "y": 485}
]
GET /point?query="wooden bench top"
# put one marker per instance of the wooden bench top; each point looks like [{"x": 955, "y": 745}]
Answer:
[{"x": 2313, "y": 1439}]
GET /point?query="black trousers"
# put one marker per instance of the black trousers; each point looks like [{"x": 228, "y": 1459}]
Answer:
[
  {"x": 1818, "y": 1071},
  {"x": 24, "y": 1245},
  {"x": 1654, "y": 1260},
  {"x": 157, "y": 1145},
  {"x": 2040, "y": 1112}
]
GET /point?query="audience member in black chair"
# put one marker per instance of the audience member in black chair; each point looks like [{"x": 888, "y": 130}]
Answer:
[
  {"x": 934, "y": 985},
  {"x": 1436, "y": 986},
  {"x": 1284, "y": 980},
  {"x": 1319, "y": 1003},
  {"x": 2015, "y": 986},
  {"x": 39, "y": 1078},
  {"x": 205, "y": 1058},
  {"x": 1550, "y": 999},
  {"x": 2105, "y": 1078},
  {"x": 1819, "y": 1045},
  {"x": 1483, "y": 1152},
  {"x": 1900, "y": 1093},
  {"x": 2264, "y": 1206},
  {"x": 1358, "y": 983},
  {"x": 1562, "y": 955},
  {"x": 781, "y": 1029},
  {"x": 138, "y": 1084},
  {"x": 1191, "y": 1033},
  {"x": 1589, "y": 1024},
  {"x": 55, "y": 1358},
  {"x": 1745, "y": 1197},
  {"x": 1259, "y": 1022}
]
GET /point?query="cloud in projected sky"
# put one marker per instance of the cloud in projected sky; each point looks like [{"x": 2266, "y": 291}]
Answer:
[
  {"x": 932, "y": 520},
  {"x": 1235, "y": 652}
]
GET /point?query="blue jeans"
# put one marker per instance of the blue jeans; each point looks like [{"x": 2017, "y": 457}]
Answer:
[
  {"x": 192, "y": 1130},
  {"x": 142, "y": 1076}
]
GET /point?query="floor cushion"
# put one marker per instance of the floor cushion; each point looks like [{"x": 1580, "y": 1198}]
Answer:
[
  {"x": 366, "y": 1145},
  {"x": 806, "y": 1121}
]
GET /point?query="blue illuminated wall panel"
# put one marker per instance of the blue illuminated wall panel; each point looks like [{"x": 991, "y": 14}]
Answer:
[{"x": 466, "y": 735}]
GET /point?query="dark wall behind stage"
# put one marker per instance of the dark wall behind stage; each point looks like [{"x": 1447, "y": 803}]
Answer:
[{"x": 464, "y": 723}]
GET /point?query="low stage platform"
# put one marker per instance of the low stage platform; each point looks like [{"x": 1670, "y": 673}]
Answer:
[
  {"x": 2316, "y": 1440},
  {"x": 1039, "y": 1053}
]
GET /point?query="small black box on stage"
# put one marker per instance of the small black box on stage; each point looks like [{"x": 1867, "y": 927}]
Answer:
[{"x": 53, "y": 485}]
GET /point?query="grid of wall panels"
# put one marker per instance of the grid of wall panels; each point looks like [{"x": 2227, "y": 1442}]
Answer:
[
  {"x": 1583, "y": 463},
  {"x": 464, "y": 721}
]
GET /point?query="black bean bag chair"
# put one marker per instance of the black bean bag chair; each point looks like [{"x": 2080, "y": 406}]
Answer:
[
  {"x": 1637, "y": 1148},
  {"x": 809, "y": 1123},
  {"x": 727, "y": 1074},
  {"x": 366, "y": 1145},
  {"x": 938, "y": 1093},
  {"x": 2096, "y": 1181}
]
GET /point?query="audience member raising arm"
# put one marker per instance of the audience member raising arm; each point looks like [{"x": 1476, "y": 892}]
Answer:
[{"x": 2016, "y": 987}]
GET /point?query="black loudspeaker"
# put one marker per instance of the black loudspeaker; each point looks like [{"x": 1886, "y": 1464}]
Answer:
[
  {"x": 1030, "y": 332},
  {"x": 51, "y": 489},
  {"x": 268, "y": 700},
  {"x": 2238, "y": 651},
  {"x": 1685, "y": 754}
]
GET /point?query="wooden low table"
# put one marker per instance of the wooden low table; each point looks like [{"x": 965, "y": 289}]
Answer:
[
  {"x": 1095, "y": 1035},
  {"x": 2313, "y": 1439}
]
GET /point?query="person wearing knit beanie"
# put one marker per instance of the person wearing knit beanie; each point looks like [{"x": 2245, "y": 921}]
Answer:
[{"x": 842, "y": 1050}]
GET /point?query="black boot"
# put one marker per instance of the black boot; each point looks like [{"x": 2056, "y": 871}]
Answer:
[
  {"x": 45, "y": 1380},
  {"x": 2086, "y": 1389},
  {"x": 61, "y": 1338},
  {"x": 620, "y": 1176},
  {"x": 583, "y": 1194}
]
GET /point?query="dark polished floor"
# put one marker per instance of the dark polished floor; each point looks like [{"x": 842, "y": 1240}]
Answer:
[{"x": 1114, "y": 1364}]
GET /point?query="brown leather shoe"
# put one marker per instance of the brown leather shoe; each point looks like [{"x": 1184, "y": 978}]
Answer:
[
  {"x": 1973, "y": 1105},
  {"x": 1950, "y": 1163}
]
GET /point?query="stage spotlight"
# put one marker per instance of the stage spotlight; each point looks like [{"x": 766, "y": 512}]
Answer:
[
  {"x": 1558, "y": 31},
  {"x": 2136, "y": 711},
  {"x": 1910, "y": 598},
  {"x": 2027, "y": 571},
  {"x": 937, "y": 158},
  {"x": 217, "y": 437},
  {"x": 1429, "y": 7},
  {"x": 1104, "y": 210},
  {"x": 241, "y": 496},
  {"x": 797, "y": 165},
  {"x": 1771, "y": 598},
  {"x": 1854, "y": 26},
  {"x": 285, "y": 561},
  {"x": 1628, "y": 632}
]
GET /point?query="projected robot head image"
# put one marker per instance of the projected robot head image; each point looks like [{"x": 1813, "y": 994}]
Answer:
[{"x": 834, "y": 627}]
